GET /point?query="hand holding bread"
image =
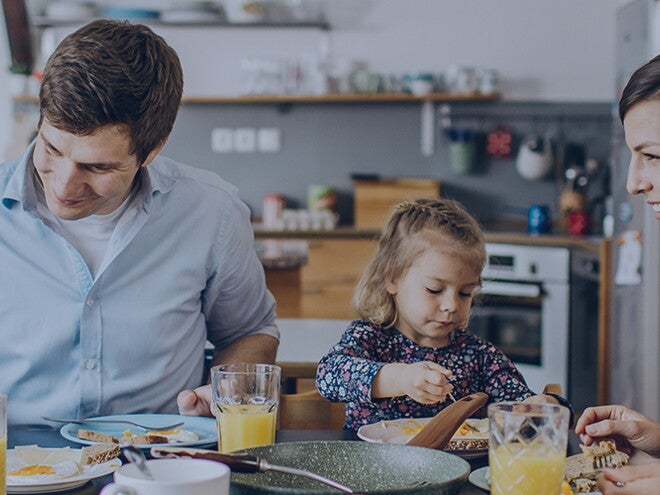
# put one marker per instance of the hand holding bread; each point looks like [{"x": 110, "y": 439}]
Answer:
[{"x": 633, "y": 432}]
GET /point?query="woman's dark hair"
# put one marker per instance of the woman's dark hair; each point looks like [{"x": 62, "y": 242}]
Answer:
[
  {"x": 643, "y": 85},
  {"x": 113, "y": 73}
]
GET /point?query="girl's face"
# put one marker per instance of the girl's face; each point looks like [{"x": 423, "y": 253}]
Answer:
[
  {"x": 642, "y": 128},
  {"x": 434, "y": 296}
]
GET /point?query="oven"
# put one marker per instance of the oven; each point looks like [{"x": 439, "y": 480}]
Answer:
[{"x": 524, "y": 310}]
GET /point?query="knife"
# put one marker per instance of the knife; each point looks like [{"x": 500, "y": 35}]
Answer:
[{"x": 242, "y": 463}]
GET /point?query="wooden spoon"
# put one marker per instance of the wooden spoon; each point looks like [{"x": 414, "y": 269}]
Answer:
[{"x": 437, "y": 432}]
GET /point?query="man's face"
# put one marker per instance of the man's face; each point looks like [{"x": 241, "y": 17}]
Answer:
[{"x": 84, "y": 175}]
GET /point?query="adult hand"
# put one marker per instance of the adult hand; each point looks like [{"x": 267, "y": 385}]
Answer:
[
  {"x": 632, "y": 432},
  {"x": 196, "y": 402},
  {"x": 426, "y": 382},
  {"x": 631, "y": 480}
]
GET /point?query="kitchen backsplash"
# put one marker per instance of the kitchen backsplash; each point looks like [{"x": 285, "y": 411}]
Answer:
[{"x": 328, "y": 142}]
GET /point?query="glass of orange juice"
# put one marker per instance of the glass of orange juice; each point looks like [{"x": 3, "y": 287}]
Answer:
[
  {"x": 246, "y": 397},
  {"x": 527, "y": 448},
  {"x": 3, "y": 444}
]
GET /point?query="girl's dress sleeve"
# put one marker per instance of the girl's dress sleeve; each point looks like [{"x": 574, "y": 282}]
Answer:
[
  {"x": 501, "y": 379},
  {"x": 347, "y": 371}
]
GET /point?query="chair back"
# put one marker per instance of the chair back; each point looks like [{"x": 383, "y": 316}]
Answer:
[{"x": 310, "y": 411}]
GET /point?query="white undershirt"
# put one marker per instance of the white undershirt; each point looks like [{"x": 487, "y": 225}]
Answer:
[{"x": 89, "y": 235}]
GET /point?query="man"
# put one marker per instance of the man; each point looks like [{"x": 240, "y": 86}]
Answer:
[{"x": 117, "y": 264}]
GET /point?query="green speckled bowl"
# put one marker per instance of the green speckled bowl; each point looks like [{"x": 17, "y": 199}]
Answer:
[{"x": 367, "y": 468}]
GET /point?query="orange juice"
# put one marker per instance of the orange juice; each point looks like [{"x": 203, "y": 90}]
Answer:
[
  {"x": 244, "y": 426},
  {"x": 3, "y": 463},
  {"x": 534, "y": 470}
]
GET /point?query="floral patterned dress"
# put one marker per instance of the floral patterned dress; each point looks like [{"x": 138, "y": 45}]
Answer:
[{"x": 347, "y": 372}]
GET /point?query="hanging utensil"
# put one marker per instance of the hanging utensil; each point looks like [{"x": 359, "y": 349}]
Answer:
[
  {"x": 242, "y": 463},
  {"x": 437, "y": 432}
]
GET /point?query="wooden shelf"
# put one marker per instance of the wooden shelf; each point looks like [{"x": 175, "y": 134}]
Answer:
[
  {"x": 46, "y": 22},
  {"x": 342, "y": 98},
  {"x": 329, "y": 98}
]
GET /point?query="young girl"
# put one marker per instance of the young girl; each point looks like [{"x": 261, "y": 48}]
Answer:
[{"x": 409, "y": 350}]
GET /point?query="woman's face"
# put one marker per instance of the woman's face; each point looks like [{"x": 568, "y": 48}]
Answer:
[{"x": 642, "y": 128}]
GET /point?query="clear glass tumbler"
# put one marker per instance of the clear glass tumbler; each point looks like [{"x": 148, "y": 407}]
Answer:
[
  {"x": 527, "y": 448},
  {"x": 246, "y": 398}
]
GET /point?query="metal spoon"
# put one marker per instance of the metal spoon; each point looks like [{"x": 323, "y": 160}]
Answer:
[{"x": 136, "y": 456}]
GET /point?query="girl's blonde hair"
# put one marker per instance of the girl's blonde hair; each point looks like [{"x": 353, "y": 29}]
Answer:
[{"x": 410, "y": 229}]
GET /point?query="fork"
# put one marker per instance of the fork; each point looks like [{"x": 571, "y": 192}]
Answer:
[{"x": 116, "y": 421}]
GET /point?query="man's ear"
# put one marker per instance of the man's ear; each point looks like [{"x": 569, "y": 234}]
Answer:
[{"x": 154, "y": 152}]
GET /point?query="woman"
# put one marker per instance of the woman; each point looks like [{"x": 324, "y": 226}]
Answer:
[{"x": 639, "y": 110}]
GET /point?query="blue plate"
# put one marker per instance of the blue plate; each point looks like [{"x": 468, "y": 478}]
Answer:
[{"x": 204, "y": 427}]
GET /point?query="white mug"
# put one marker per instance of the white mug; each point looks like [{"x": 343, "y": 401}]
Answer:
[{"x": 171, "y": 477}]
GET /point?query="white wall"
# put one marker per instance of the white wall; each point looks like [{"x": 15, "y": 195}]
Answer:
[{"x": 554, "y": 51}]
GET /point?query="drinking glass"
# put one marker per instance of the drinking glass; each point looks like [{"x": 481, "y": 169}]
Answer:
[
  {"x": 3, "y": 444},
  {"x": 246, "y": 397},
  {"x": 527, "y": 448}
]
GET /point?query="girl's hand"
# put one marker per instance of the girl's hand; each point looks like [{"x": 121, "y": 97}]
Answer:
[{"x": 426, "y": 382}]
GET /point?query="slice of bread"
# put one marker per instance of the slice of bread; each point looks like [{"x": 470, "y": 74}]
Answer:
[
  {"x": 579, "y": 469},
  {"x": 99, "y": 453},
  {"x": 95, "y": 436},
  {"x": 143, "y": 439}
]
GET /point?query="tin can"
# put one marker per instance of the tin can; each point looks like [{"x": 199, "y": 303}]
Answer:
[
  {"x": 321, "y": 198},
  {"x": 538, "y": 219},
  {"x": 273, "y": 207}
]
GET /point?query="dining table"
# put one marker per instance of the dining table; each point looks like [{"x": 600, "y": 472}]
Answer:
[{"x": 48, "y": 436}]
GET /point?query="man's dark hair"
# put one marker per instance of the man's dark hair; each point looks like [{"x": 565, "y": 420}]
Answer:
[{"x": 113, "y": 73}]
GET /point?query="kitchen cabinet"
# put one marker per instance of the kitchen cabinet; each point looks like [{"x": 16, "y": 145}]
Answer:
[{"x": 329, "y": 277}]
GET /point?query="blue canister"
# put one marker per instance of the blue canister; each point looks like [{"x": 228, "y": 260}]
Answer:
[{"x": 538, "y": 219}]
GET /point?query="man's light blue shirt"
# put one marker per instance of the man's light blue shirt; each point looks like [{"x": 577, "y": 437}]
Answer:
[{"x": 180, "y": 269}]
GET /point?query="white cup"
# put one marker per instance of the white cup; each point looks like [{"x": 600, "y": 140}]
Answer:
[{"x": 171, "y": 477}]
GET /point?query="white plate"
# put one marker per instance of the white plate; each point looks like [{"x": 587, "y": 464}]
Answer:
[
  {"x": 478, "y": 478},
  {"x": 399, "y": 431},
  {"x": 89, "y": 473},
  {"x": 204, "y": 427}
]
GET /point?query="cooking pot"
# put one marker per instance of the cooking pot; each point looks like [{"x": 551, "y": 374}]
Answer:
[{"x": 367, "y": 468}]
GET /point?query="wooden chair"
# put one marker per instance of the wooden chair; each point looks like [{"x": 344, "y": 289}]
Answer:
[
  {"x": 310, "y": 411},
  {"x": 553, "y": 388}
]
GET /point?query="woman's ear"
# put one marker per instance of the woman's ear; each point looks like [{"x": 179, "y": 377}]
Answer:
[{"x": 392, "y": 288}]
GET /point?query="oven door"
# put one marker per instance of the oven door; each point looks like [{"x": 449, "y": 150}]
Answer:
[{"x": 529, "y": 322}]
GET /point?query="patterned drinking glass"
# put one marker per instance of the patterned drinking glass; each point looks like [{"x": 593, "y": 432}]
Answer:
[{"x": 527, "y": 448}]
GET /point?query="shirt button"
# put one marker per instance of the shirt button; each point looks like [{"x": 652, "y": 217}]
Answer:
[
  {"x": 90, "y": 364},
  {"x": 90, "y": 302}
]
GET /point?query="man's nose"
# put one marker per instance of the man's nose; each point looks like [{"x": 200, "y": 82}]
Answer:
[{"x": 68, "y": 180}]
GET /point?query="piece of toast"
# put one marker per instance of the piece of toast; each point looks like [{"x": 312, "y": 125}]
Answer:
[
  {"x": 579, "y": 469},
  {"x": 99, "y": 453},
  {"x": 143, "y": 439},
  {"x": 95, "y": 436}
]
